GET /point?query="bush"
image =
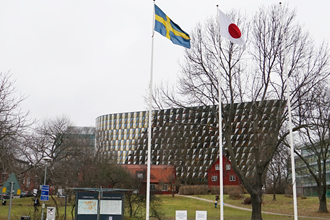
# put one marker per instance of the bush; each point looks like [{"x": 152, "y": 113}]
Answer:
[
  {"x": 214, "y": 190},
  {"x": 194, "y": 190},
  {"x": 234, "y": 192},
  {"x": 247, "y": 201}
]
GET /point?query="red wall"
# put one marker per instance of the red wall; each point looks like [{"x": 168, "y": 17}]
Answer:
[{"x": 226, "y": 174}]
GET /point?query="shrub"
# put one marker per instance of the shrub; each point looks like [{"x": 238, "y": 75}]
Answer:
[
  {"x": 194, "y": 190},
  {"x": 247, "y": 201},
  {"x": 234, "y": 192}
]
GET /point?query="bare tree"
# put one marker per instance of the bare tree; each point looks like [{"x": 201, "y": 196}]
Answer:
[
  {"x": 13, "y": 123},
  {"x": 65, "y": 145},
  {"x": 315, "y": 147},
  {"x": 276, "y": 180},
  {"x": 254, "y": 74}
]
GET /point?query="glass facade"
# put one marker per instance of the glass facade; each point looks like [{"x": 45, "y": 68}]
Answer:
[{"x": 184, "y": 137}]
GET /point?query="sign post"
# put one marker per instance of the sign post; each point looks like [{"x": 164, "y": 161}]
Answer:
[{"x": 44, "y": 193}]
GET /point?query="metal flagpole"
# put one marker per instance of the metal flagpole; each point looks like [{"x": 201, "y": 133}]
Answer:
[
  {"x": 10, "y": 198},
  {"x": 150, "y": 116},
  {"x": 220, "y": 134},
  {"x": 294, "y": 185}
]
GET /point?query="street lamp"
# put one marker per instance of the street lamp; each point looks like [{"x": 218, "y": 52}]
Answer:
[{"x": 46, "y": 159}]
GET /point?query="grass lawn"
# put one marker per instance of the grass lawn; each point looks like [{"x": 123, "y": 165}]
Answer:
[
  {"x": 24, "y": 207},
  {"x": 283, "y": 204},
  {"x": 306, "y": 207}
]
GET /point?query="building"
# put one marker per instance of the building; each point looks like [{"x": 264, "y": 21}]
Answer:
[
  {"x": 76, "y": 139},
  {"x": 229, "y": 176},
  {"x": 184, "y": 137},
  {"x": 306, "y": 184},
  {"x": 162, "y": 177}
]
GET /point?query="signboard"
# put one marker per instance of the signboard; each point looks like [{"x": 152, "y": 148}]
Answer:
[
  {"x": 111, "y": 207},
  {"x": 44, "y": 193},
  {"x": 87, "y": 207},
  {"x": 181, "y": 215},
  {"x": 99, "y": 205},
  {"x": 201, "y": 215},
  {"x": 51, "y": 213}
]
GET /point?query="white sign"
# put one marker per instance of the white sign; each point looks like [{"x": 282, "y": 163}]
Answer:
[
  {"x": 50, "y": 213},
  {"x": 111, "y": 207},
  {"x": 181, "y": 215},
  {"x": 87, "y": 207},
  {"x": 201, "y": 215}
]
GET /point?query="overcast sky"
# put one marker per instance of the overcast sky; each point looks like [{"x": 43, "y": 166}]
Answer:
[{"x": 87, "y": 58}]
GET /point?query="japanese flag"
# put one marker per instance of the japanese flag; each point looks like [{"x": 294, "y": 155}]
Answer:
[{"x": 230, "y": 30}]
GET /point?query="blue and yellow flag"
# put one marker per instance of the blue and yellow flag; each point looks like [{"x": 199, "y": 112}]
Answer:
[{"x": 169, "y": 29}]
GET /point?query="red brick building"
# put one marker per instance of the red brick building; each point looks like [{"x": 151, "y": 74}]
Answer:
[
  {"x": 162, "y": 177},
  {"x": 229, "y": 176}
]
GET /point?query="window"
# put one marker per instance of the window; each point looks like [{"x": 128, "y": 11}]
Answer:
[
  {"x": 214, "y": 178},
  {"x": 139, "y": 175},
  {"x": 232, "y": 178},
  {"x": 228, "y": 167},
  {"x": 165, "y": 188},
  {"x": 152, "y": 187},
  {"x": 217, "y": 167}
]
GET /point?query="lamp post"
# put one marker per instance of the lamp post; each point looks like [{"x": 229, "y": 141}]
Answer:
[{"x": 43, "y": 202}]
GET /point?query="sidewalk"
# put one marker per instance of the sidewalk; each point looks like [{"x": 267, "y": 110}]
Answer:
[{"x": 248, "y": 209}]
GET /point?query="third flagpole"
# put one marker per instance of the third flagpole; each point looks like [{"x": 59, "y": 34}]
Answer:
[{"x": 286, "y": 74}]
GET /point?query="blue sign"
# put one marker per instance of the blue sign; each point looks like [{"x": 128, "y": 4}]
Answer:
[
  {"x": 44, "y": 198},
  {"x": 44, "y": 193},
  {"x": 45, "y": 188}
]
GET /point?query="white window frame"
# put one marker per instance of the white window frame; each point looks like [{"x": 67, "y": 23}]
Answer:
[
  {"x": 232, "y": 178},
  {"x": 217, "y": 167},
  {"x": 165, "y": 187},
  {"x": 214, "y": 178},
  {"x": 152, "y": 187},
  {"x": 228, "y": 166},
  {"x": 139, "y": 175}
]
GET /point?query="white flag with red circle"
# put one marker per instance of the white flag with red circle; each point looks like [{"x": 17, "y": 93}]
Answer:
[{"x": 230, "y": 30}]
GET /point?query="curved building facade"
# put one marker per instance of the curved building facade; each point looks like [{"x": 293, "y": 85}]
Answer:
[{"x": 184, "y": 137}]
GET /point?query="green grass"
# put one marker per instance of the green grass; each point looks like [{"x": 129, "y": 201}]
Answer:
[
  {"x": 306, "y": 207},
  {"x": 170, "y": 205},
  {"x": 283, "y": 205},
  {"x": 24, "y": 207}
]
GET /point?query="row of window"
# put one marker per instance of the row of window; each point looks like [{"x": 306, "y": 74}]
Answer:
[
  {"x": 228, "y": 166},
  {"x": 232, "y": 178}
]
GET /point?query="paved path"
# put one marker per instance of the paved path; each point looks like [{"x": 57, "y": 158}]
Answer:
[{"x": 248, "y": 209}]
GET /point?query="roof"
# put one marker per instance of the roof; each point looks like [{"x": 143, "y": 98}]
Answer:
[{"x": 158, "y": 173}]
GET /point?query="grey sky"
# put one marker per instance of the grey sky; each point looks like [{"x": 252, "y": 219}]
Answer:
[{"x": 85, "y": 58}]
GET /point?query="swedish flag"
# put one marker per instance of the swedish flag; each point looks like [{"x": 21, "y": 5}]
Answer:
[{"x": 169, "y": 29}]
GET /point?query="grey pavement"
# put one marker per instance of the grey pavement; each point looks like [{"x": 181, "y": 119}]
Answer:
[{"x": 248, "y": 209}]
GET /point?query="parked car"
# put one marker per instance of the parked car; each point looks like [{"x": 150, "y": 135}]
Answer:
[
  {"x": 26, "y": 194},
  {"x": 6, "y": 196}
]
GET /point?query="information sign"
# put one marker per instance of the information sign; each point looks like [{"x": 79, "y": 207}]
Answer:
[
  {"x": 201, "y": 215},
  {"x": 44, "y": 193},
  {"x": 181, "y": 214}
]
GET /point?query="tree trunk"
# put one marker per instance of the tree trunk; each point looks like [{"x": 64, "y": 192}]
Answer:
[
  {"x": 256, "y": 206},
  {"x": 322, "y": 203},
  {"x": 274, "y": 194}
]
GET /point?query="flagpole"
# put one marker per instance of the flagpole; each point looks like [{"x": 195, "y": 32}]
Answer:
[
  {"x": 294, "y": 184},
  {"x": 150, "y": 116},
  {"x": 220, "y": 133}
]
